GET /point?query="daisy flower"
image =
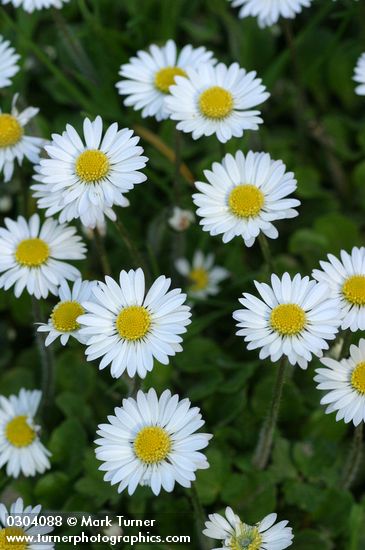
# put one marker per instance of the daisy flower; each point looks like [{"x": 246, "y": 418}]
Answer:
[
  {"x": 181, "y": 219},
  {"x": 85, "y": 178},
  {"x": 292, "y": 318},
  {"x": 14, "y": 145},
  {"x": 244, "y": 196},
  {"x": 203, "y": 275},
  {"x": 8, "y": 62},
  {"x": 27, "y": 516},
  {"x": 346, "y": 278},
  {"x": 32, "y": 256},
  {"x": 216, "y": 100},
  {"x": 344, "y": 384},
  {"x": 359, "y": 75},
  {"x": 148, "y": 76},
  {"x": 32, "y": 5},
  {"x": 63, "y": 321},
  {"x": 152, "y": 441},
  {"x": 237, "y": 535},
  {"x": 268, "y": 12},
  {"x": 20, "y": 447},
  {"x": 129, "y": 328}
]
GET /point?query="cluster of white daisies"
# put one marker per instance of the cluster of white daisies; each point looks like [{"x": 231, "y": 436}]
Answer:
[{"x": 154, "y": 440}]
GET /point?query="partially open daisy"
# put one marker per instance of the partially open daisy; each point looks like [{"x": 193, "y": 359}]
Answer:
[
  {"x": 244, "y": 196},
  {"x": 216, "y": 100},
  {"x": 23, "y": 522},
  {"x": 20, "y": 447},
  {"x": 202, "y": 275},
  {"x": 237, "y": 535},
  {"x": 147, "y": 78},
  {"x": 14, "y": 144},
  {"x": 8, "y": 62},
  {"x": 359, "y": 75},
  {"x": 294, "y": 317},
  {"x": 346, "y": 278},
  {"x": 33, "y": 5},
  {"x": 129, "y": 328},
  {"x": 32, "y": 256},
  {"x": 268, "y": 12},
  {"x": 86, "y": 178},
  {"x": 152, "y": 441},
  {"x": 63, "y": 321},
  {"x": 344, "y": 384}
]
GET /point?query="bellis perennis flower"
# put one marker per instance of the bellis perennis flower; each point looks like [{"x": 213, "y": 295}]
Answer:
[
  {"x": 152, "y": 441},
  {"x": 216, "y": 100},
  {"x": 8, "y": 62},
  {"x": 128, "y": 327},
  {"x": 268, "y": 12},
  {"x": 293, "y": 318},
  {"x": 85, "y": 178},
  {"x": 203, "y": 276},
  {"x": 234, "y": 534},
  {"x": 359, "y": 75}
]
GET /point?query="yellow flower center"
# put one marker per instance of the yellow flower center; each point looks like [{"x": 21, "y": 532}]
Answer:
[
  {"x": 199, "y": 278},
  {"x": 246, "y": 201},
  {"x": 165, "y": 78},
  {"x": 32, "y": 252},
  {"x": 10, "y": 130},
  {"x": 6, "y": 544},
  {"x": 354, "y": 290},
  {"x": 92, "y": 166},
  {"x": 288, "y": 319},
  {"x": 358, "y": 377},
  {"x": 152, "y": 444},
  {"x": 19, "y": 433},
  {"x": 248, "y": 539},
  {"x": 64, "y": 316},
  {"x": 133, "y": 322},
  {"x": 216, "y": 102}
]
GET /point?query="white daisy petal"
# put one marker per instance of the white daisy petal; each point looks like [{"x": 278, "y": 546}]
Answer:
[{"x": 269, "y": 11}]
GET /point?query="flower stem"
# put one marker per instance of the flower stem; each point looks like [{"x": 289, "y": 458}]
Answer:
[
  {"x": 199, "y": 517},
  {"x": 263, "y": 449},
  {"x": 103, "y": 256},
  {"x": 135, "y": 254},
  {"x": 265, "y": 249},
  {"x": 46, "y": 357},
  {"x": 354, "y": 459}
]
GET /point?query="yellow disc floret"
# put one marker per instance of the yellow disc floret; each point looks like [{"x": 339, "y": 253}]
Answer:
[
  {"x": 248, "y": 538},
  {"x": 216, "y": 102},
  {"x": 165, "y": 78},
  {"x": 358, "y": 378},
  {"x": 288, "y": 319},
  {"x": 19, "y": 433},
  {"x": 32, "y": 252},
  {"x": 246, "y": 201},
  {"x": 11, "y": 130},
  {"x": 64, "y": 316},
  {"x": 199, "y": 278},
  {"x": 92, "y": 166},
  {"x": 152, "y": 444},
  {"x": 133, "y": 322},
  {"x": 354, "y": 290},
  {"x": 6, "y": 542}
]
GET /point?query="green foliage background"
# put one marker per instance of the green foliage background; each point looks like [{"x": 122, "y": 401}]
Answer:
[{"x": 315, "y": 123}]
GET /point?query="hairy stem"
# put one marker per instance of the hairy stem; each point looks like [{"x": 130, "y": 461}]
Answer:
[
  {"x": 46, "y": 357},
  {"x": 199, "y": 517},
  {"x": 263, "y": 449},
  {"x": 354, "y": 459},
  {"x": 265, "y": 249},
  {"x": 103, "y": 256}
]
